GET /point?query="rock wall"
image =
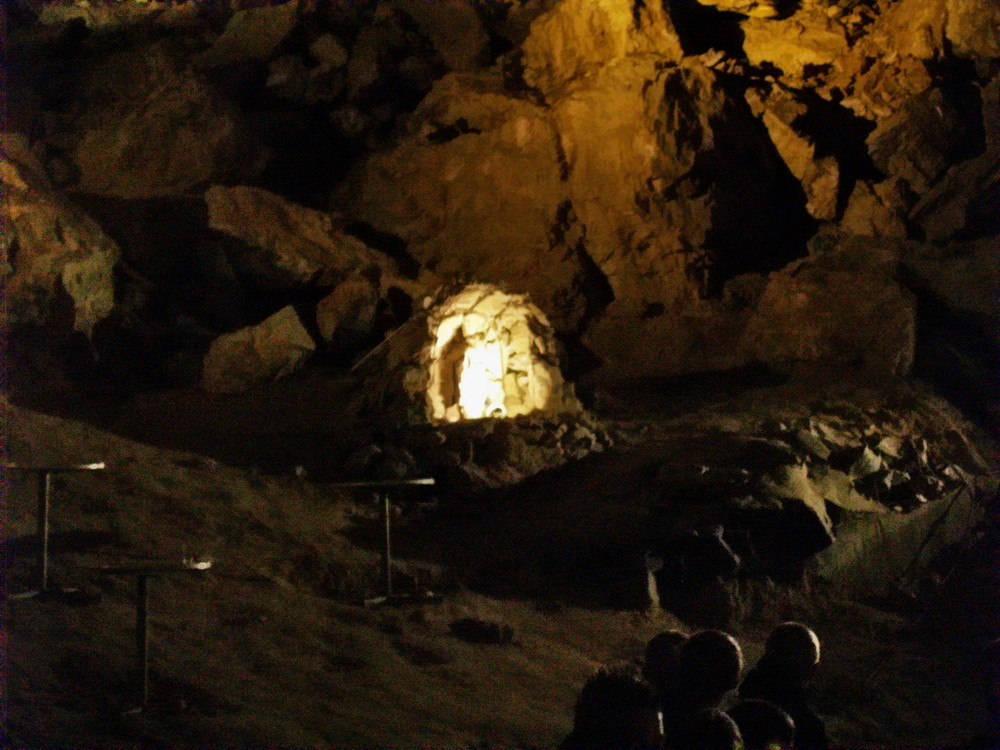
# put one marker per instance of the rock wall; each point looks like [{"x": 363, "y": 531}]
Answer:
[
  {"x": 59, "y": 264},
  {"x": 679, "y": 187}
]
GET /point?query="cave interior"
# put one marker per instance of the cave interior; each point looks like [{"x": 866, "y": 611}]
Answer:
[{"x": 568, "y": 322}]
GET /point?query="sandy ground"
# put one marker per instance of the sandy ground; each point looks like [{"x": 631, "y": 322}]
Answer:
[{"x": 270, "y": 648}]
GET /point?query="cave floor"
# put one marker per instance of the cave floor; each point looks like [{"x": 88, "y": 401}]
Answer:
[{"x": 270, "y": 648}]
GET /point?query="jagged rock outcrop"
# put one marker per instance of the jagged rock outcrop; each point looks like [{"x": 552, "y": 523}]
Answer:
[
  {"x": 151, "y": 126},
  {"x": 796, "y": 45},
  {"x": 346, "y": 316},
  {"x": 877, "y": 209},
  {"x": 752, "y": 8},
  {"x": 820, "y": 176},
  {"x": 275, "y": 347},
  {"x": 915, "y": 143},
  {"x": 645, "y": 198},
  {"x": 288, "y": 245},
  {"x": 577, "y": 37},
  {"x": 476, "y": 191},
  {"x": 973, "y": 29},
  {"x": 612, "y": 192},
  {"x": 486, "y": 454},
  {"x": 963, "y": 203},
  {"x": 63, "y": 269}
]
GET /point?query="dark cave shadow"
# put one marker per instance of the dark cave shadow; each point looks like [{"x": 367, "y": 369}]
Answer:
[
  {"x": 671, "y": 395},
  {"x": 60, "y": 541},
  {"x": 519, "y": 542}
]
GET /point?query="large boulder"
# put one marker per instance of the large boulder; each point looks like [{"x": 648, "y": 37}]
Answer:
[
  {"x": 843, "y": 308},
  {"x": 796, "y": 45},
  {"x": 577, "y": 37},
  {"x": 963, "y": 276},
  {"x": 658, "y": 161},
  {"x": 475, "y": 189},
  {"x": 287, "y": 245},
  {"x": 966, "y": 201},
  {"x": 275, "y": 347},
  {"x": 346, "y": 316},
  {"x": 250, "y": 36},
  {"x": 64, "y": 263},
  {"x": 917, "y": 141},
  {"x": 877, "y": 209},
  {"x": 625, "y": 189},
  {"x": 151, "y": 126}
]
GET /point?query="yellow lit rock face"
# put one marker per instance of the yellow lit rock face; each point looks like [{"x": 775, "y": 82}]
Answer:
[
  {"x": 578, "y": 36},
  {"x": 752, "y": 8},
  {"x": 491, "y": 354},
  {"x": 61, "y": 250},
  {"x": 809, "y": 37}
]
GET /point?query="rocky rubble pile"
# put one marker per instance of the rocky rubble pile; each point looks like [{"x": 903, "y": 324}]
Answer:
[
  {"x": 486, "y": 454},
  {"x": 891, "y": 486}
]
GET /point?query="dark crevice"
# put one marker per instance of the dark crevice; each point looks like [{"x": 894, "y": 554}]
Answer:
[
  {"x": 391, "y": 245},
  {"x": 638, "y": 6},
  {"x": 956, "y": 356},
  {"x": 759, "y": 220},
  {"x": 836, "y": 131},
  {"x": 493, "y": 15},
  {"x": 653, "y": 310},
  {"x": 445, "y": 133},
  {"x": 958, "y": 81},
  {"x": 701, "y": 28}
]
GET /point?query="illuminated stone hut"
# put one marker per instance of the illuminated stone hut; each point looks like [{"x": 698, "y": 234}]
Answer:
[{"x": 489, "y": 354}]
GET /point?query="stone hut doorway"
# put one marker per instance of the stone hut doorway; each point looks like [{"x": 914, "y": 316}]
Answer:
[{"x": 492, "y": 355}]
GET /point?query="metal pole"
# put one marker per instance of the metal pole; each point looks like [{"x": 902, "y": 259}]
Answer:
[
  {"x": 142, "y": 636},
  {"x": 387, "y": 552},
  {"x": 44, "y": 498}
]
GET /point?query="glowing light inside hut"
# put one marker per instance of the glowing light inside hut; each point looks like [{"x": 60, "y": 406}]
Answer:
[{"x": 492, "y": 355}]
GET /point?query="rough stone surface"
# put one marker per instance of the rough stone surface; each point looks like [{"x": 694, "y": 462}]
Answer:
[
  {"x": 845, "y": 309},
  {"x": 654, "y": 178},
  {"x": 914, "y": 28},
  {"x": 973, "y": 28},
  {"x": 287, "y": 244},
  {"x": 877, "y": 209},
  {"x": 250, "y": 36},
  {"x": 613, "y": 191},
  {"x": 595, "y": 167},
  {"x": 915, "y": 142},
  {"x": 454, "y": 28},
  {"x": 966, "y": 277},
  {"x": 752, "y": 8},
  {"x": 153, "y": 127},
  {"x": 965, "y": 201},
  {"x": 807, "y": 38},
  {"x": 63, "y": 256},
  {"x": 578, "y": 36},
  {"x": 258, "y": 354},
  {"x": 491, "y": 453},
  {"x": 476, "y": 192},
  {"x": 346, "y": 316}
]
